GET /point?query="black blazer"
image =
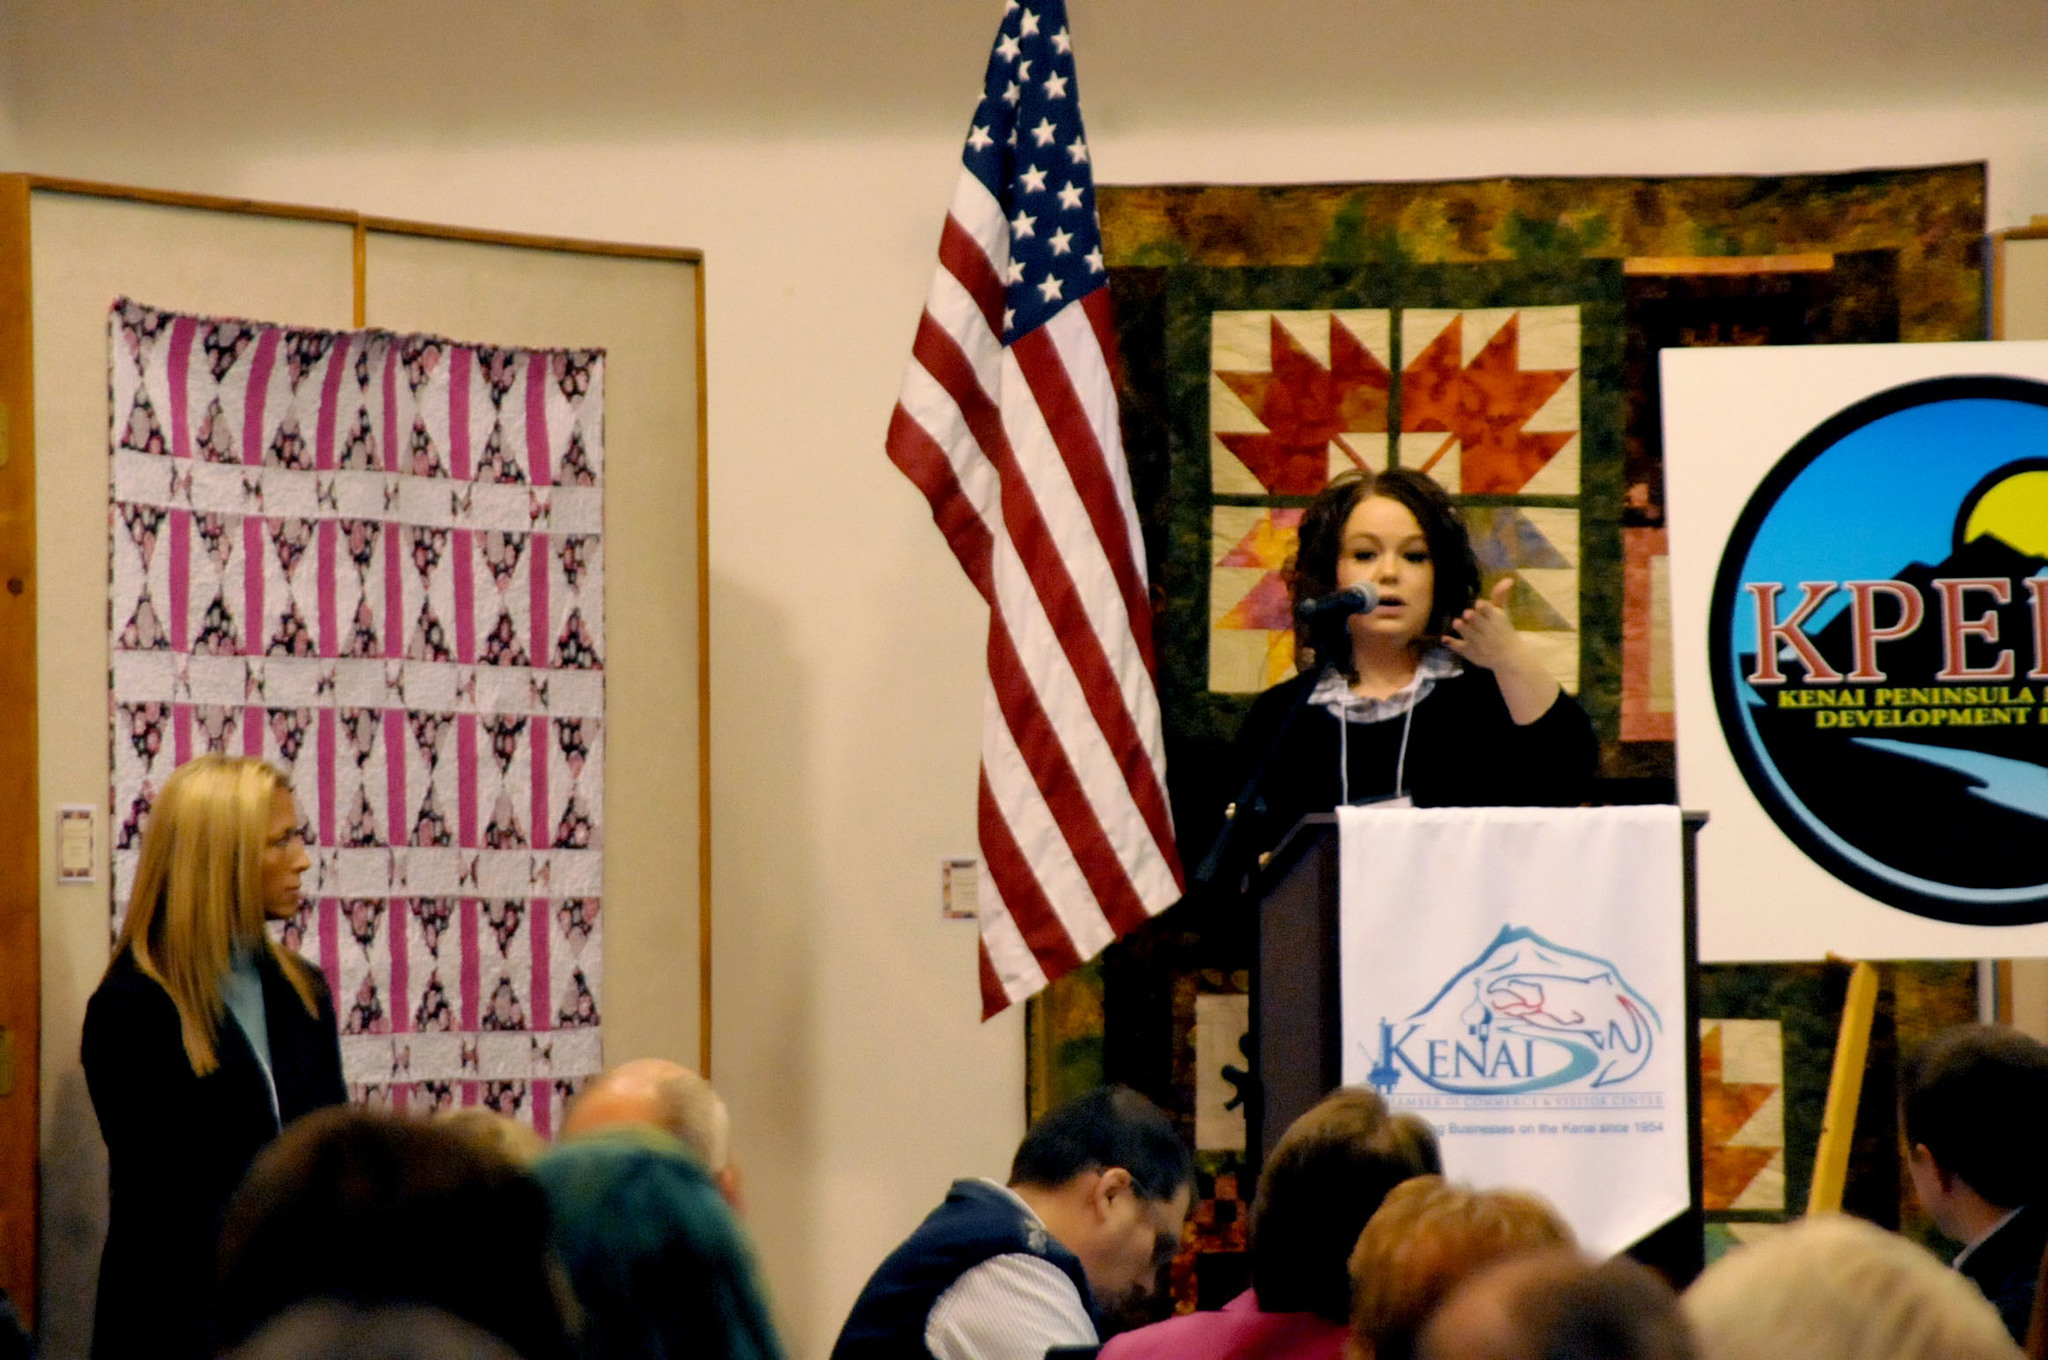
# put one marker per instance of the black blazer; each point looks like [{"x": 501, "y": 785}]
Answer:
[
  {"x": 2007, "y": 1264},
  {"x": 178, "y": 1144}
]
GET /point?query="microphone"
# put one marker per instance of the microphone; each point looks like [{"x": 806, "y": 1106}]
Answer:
[{"x": 1361, "y": 598}]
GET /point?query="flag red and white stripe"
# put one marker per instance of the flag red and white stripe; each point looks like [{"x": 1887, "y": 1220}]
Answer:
[{"x": 1007, "y": 423}]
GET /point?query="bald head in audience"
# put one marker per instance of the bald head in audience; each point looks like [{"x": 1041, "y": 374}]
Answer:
[
  {"x": 1556, "y": 1305},
  {"x": 667, "y": 1096}
]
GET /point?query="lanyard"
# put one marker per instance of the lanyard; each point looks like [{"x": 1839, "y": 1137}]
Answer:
[{"x": 1344, "y": 756}]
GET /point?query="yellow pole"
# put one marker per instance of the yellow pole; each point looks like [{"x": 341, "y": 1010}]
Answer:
[{"x": 1845, "y": 1087}]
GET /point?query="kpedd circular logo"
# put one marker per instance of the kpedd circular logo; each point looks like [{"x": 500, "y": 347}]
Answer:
[{"x": 1879, "y": 645}]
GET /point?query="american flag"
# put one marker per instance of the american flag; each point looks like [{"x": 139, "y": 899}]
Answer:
[{"x": 1008, "y": 424}]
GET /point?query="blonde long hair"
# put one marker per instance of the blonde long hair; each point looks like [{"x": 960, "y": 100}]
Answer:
[{"x": 199, "y": 892}]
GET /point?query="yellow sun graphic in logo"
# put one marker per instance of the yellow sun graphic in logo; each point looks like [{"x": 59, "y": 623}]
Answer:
[{"x": 2011, "y": 507}]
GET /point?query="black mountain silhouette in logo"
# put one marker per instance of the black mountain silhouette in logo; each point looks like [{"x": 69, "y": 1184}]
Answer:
[{"x": 1900, "y": 794}]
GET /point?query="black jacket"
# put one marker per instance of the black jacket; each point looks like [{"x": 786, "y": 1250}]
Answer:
[
  {"x": 2007, "y": 1264},
  {"x": 178, "y": 1144},
  {"x": 1464, "y": 750}
]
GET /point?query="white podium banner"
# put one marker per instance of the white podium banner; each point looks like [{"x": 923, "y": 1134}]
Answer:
[{"x": 1517, "y": 977}]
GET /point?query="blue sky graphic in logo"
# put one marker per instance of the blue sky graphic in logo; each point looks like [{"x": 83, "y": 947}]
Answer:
[
  {"x": 1526, "y": 1015},
  {"x": 1879, "y": 646}
]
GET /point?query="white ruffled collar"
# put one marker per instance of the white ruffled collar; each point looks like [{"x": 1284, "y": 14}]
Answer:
[{"x": 1333, "y": 692}]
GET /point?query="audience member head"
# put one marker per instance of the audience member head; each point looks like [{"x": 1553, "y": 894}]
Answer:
[
  {"x": 1313, "y": 572},
  {"x": 667, "y": 1096},
  {"x": 1112, "y": 1181},
  {"x": 1427, "y": 1238},
  {"x": 1556, "y": 1305},
  {"x": 658, "y": 1262},
  {"x": 1837, "y": 1288},
  {"x": 372, "y": 1209},
  {"x": 497, "y": 1134},
  {"x": 1972, "y": 1103},
  {"x": 220, "y": 856},
  {"x": 1321, "y": 1183},
  {"x": 337, "y": 1331}
]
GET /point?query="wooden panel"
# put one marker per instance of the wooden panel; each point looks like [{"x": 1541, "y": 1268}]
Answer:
[
  {"x": 20, "y": 980},
  {"x": 89, "y": 248},
  {"x": 2019, "y": 309},
  {"x": 644, "y": 311}
]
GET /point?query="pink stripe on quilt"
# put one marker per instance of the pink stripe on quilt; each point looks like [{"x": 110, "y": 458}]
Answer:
[
  {"x": 329, "y": 913},
  {"x": 181, "y": 733},
  {"x": 324, "y": 745},
  {"x": 253, "y": 623},
  {"x": 398, "y": 931},
  {"x": 394, "y": 776},
  {"x": 394, "y": 590},
  {"x": 330, "y": 404},
  {"x": 462, "y": 544},
  {"x": 540, "y": 1092},
  {"x": 465, "y": 780},
  {"x": 181, "y": 581},
  {"x": 540, "y": 1010},
  {"x": 468, "y": 911},
  {"x": 257, "y": 396},
  {"x": 538, "y": 465},
  {"x": 460, "y": 361},
  {"x": 325, "y": 532},
  {"x": 540, "y": 727},
  {"x": 178, "y": 370},
  {"x": 391, "y": 407}
]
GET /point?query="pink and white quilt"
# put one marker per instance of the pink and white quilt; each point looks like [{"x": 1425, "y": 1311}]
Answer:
[{"x": 376, "y": 560}]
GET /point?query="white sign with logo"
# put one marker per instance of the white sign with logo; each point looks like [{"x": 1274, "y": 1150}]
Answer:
[
  {"x": 1859, "y": 609},
  {"x": 1516, "y": 976}
]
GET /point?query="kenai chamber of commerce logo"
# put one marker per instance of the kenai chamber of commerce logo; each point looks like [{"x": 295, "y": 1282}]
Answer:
[
  {"x": 1526, "y": 1015},
  {"x": 1879, "y": 647}
]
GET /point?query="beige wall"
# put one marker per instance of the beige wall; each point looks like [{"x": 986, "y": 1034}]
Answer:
[{"x": 808, "y": 147}]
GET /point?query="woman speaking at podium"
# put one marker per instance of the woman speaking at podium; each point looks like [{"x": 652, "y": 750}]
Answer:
[{"x": 1414, "y": 690}]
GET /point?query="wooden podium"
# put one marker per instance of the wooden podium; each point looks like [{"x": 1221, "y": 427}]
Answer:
[{"x": 1296, "y": 1037}]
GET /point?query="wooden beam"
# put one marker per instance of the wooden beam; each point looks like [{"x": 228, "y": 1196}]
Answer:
[
  {"x": 703, "y": 690},
  {"x": 21, "y": 874}
]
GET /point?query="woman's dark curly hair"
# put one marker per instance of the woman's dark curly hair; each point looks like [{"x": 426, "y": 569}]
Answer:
[{"x": 1313, "y": 571}]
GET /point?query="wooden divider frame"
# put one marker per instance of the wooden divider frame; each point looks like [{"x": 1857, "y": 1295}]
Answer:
[{"x": 20, "y": 833}]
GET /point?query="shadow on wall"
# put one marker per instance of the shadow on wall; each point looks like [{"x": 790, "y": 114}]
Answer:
[
  {"x": 766, "y": 892},
  {"x": 73, "y": 1167}
]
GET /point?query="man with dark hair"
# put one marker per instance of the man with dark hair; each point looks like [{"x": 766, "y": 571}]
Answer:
[
  {"x": 1972, "y": 1104},
  {"x": 1557, "y": 1306},
  {"x": 1323, "y": 1180},
  {"x": 1098, "y": 1192}
]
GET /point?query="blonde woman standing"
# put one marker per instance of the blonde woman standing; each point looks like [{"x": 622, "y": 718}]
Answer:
[{"x": 204, "y": 1040}]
